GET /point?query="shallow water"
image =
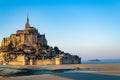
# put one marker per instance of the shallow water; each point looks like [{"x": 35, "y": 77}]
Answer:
[{"x": 86, "y": 71}]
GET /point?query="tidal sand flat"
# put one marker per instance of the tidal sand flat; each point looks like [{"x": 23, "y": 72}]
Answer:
[
  {"x": 36, "y": 77},
  {"x": 62, "y": 72}
]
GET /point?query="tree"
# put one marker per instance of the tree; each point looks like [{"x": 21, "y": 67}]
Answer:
[
  {"x": 43, "y": 54},
  {"x": 56, "y": 49},
  {"x": 7, "y": 57}
]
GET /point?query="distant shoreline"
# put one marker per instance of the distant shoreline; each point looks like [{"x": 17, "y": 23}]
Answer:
[{"x": 102, "y": 61}]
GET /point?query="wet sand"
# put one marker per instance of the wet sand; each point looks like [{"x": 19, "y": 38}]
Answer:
[
  {"x": 102, "y": 72},
  {"x": 37, "y": 77}
]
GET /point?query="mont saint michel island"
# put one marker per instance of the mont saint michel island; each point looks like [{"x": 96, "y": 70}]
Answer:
[
  {"x": 59, "y": 39},
  {"x": 29, "y": 47}
]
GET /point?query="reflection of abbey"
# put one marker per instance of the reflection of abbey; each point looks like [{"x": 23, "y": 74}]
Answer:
[{"x": 28, "y": 47}]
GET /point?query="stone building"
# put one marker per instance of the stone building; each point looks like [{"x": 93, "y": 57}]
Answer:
[
  {"x": 29, "y": 36},
  {"x": 29, "y": 47}
]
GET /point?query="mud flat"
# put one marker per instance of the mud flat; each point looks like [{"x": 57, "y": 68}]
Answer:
[{"x": 61, "y": 72}]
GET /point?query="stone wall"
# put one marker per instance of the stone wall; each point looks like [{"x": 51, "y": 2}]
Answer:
[
  {"x": 21, "y": 60},
  {"x": 31, "y": 62},
  {"x": 1, "y": 58},
  {"x": 18, "y": 61},
  {"x": 15, "y": 63},
  {"x": 66, "y": 61},
  {"x": 45, "y": 62}
]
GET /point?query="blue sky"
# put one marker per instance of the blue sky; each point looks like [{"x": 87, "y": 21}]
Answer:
[{"x": 88, "y": 28}]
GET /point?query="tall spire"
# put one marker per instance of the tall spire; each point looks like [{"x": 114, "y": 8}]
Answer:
[
  {"x": 27, "y": 18},
  {"x": 27, "y": 25}
]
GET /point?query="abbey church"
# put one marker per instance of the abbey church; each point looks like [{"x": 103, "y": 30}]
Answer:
[
  {"x": 29, "y": 47},
  {"x": 29, "y": 37}
]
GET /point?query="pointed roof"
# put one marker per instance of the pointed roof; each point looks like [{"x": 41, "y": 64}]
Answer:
[
  {"x": 27, "y": 23},
  {"x": 27, "y": 18}
]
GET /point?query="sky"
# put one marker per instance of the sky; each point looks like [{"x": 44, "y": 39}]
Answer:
[{"x": 87, "y": 28}]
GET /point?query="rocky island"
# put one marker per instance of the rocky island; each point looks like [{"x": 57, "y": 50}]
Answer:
[{"x": 29, "y": 47}]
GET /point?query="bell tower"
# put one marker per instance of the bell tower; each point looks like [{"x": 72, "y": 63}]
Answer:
[{"x": 27, "y": 25}]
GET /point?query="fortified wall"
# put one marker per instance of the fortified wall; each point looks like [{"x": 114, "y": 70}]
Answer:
[{"x": 22, "y": 61}]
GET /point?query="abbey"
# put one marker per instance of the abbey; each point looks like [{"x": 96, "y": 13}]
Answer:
[
  {"x": 29, "y": 37},
  {"x": 29, "y": 47}
]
